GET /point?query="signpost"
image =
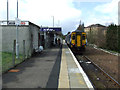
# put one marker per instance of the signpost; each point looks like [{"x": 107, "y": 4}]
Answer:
[{"x": 17, "y": 23}]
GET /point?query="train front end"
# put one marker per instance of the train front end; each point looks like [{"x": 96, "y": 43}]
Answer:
[{"x": 78, "y": 40}]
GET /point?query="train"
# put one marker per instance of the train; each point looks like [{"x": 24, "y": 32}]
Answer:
[{"x": 77, "y": 40}]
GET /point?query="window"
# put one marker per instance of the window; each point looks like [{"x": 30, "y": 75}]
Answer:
[
  {"x": 73, "y": 37},
  {"x": 83, "y": 37}
]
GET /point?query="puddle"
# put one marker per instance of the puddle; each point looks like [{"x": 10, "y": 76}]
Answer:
[
  {"x": 73, "y": 70},
  {"x": 67, "y": 52}
]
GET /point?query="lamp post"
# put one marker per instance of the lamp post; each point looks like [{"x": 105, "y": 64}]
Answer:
[
  {"x": 53, "y": 21},
  {"x": 7, "y": 12},
  {"x": 17, "y": 45},
  {"x": 58, "y": 23},
  {"x": 17, "y": 8}
]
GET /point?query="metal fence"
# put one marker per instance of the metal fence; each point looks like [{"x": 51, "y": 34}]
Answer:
[{"x": 9, "y": 59}]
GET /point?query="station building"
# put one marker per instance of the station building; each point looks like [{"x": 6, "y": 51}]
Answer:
[
  {"x": 50, "y": 36},
  {"x": 30, "y": 36}
]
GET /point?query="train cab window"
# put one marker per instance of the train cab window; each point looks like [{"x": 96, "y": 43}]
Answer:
[
  {"x": 83, "y": 37},
  {"x": 73, "y": 37}
]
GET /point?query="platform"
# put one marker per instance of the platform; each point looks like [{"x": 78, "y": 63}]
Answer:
[
  {"x": 71, "y": 73},
  {"x": 53, "y": 68},
  {"x": 40, "y": 71}
]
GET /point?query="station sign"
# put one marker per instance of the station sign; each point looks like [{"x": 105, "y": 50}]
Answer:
[
  {"x": 58, "y": 29},
  {"x": 17, "y": 21},
  {"x": 13, "y": 23}
]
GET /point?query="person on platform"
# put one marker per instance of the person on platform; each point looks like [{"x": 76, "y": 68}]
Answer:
[{"x": 59, "y": 43}]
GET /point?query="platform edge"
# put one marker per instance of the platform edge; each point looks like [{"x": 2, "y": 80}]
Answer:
[{"x": 87, "y": 81}]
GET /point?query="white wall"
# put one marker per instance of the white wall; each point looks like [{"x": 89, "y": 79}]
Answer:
[
  {"x": 34, "y": 30},
  {"x": 9, "y": 35}
]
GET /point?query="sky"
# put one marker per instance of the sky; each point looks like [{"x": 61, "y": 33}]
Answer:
[{"x": 67, "y": 13}]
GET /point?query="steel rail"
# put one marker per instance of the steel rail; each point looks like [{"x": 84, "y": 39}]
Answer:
[{"x": 112, "y": 79}]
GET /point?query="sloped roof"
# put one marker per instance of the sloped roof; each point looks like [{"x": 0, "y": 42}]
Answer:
[
  {"x": 78, "y": 31},
  {"x": 95, "y": 25}
]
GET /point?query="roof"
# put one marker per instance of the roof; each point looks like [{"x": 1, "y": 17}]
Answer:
[
  {"x": 95, "y": 25},
  {"x": 78, "y": 31}
]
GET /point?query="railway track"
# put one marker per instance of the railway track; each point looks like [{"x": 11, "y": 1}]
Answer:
[
  {"x": 104, "y": 73},
  {"x": 96, "y": 74}
]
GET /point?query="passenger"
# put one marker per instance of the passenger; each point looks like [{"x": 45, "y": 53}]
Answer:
[
  {"x": 59, "y": 43},
  {"x": 56, "y": 41}
]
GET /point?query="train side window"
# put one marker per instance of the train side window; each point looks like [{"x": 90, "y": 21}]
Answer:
[
  {"x": 83, "y": 37},
  {"x": 73, "y": 37}
]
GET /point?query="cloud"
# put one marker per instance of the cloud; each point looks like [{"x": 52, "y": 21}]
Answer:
[
  {"x": 43, "y": 10},
  {"x": 92, "y": 0},
  {"x": 110, "y": 11},
  {"x": 104, "y": 20},
  {"x": 109, "y": 7},
  {"x": 105, "y": 14},
  {"x": 40, "y": 12}
]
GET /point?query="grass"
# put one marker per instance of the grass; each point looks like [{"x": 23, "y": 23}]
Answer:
[{"x": 7, "y": 60}]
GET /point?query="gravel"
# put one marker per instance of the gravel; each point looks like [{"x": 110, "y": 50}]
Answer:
[{"x": 105, "y": 60}]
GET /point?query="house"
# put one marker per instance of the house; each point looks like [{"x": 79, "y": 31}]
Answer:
[
  {"x": 96, "y": 34},
  {"x": 95, "y": 28}
]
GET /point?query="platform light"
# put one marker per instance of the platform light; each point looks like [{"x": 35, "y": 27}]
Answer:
[{"x": 17, "y": 8}]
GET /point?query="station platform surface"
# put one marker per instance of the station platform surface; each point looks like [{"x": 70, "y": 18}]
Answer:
[
  {"x": 71, "y": 73},
  {"x": 40, "y": 71},
  {"x": 53, "y": 68}
]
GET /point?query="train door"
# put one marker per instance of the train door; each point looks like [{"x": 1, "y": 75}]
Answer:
[
  {"x": 83, "y": 39},
  {"x": 73, "y": 39},
  {"x": 78, "y": 40}
]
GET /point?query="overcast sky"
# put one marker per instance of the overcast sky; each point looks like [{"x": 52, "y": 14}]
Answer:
[{"x": 67, "y": 13}]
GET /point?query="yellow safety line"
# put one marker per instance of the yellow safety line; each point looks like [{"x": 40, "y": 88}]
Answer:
[{"x": 63, "y": 77}]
